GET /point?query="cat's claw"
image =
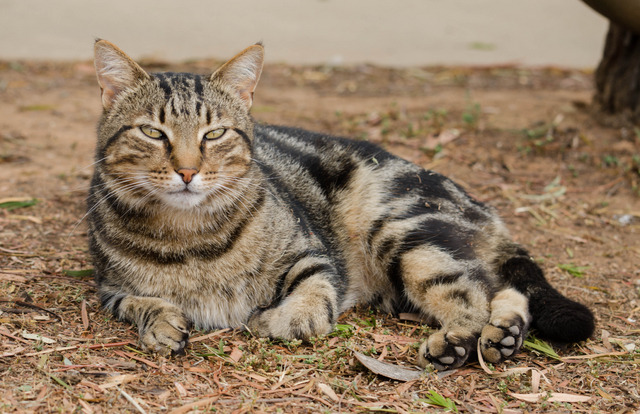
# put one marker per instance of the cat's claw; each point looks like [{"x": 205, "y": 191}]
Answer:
[
  {"x": 446, "y": 350},
  {"x": 502, "y": 339}
]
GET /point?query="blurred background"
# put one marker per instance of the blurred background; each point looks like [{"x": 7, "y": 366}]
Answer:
[{"x": 383, "y": 32}]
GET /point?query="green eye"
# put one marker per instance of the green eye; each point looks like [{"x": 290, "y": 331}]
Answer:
[
  {"x": 216, "y": 133},
  {"x": 151, "y": 132}
]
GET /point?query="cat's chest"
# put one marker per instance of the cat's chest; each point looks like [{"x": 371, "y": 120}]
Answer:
[{"x": 212, "y": 294}]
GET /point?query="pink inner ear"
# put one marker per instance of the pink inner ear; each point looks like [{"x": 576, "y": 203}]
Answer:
[
  {"x": 109, "y": 92},
  {"x": 246, "y": 95}
]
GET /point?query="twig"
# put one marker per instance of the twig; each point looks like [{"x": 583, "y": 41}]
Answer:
[
  {"x": 30, "y": 305},
  {"x": 8, "y": 334},
  {"x": 593, "y": 356},
  {"x": 67, "y": 348},
  {"x": 2, "y": 249},
  {"x": 209, "y": 335},
  {"x": 201, "y": 404},
  {"x": 131, "y": 400},
  {"x": 137, "y": 358}
]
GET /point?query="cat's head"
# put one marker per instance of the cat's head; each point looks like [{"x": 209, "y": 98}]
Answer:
[{"x": 174, "y": 139}]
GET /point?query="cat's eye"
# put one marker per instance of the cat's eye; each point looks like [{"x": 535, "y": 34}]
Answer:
[
  {"x": 215, "y": 134},
  {"x": 152, "y": 132}
]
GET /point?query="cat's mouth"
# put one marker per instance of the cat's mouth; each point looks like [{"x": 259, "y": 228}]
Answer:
[
  {"x": 183, "y": 199},
  {"x": 184, "y": 191}
]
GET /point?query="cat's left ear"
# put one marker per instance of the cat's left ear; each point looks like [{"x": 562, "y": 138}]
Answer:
[
  {"x": 242, "y": 73},
  {"x": 116, "y": 71}
]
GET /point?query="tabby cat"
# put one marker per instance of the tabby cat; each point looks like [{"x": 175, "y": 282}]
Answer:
[{"x": 199, "y": 215}]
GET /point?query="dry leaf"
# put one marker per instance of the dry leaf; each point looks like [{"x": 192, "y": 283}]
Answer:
[
  {"x": 118, "y": 380},
  {"x": 32, "y": 219},
  {"x": 258, "y": 378},
  {"x": 182, "y": 392},
  {"x": 209, "y": 335},
  {"x": 328, "y": 391},
  {"x": 84, "y": 315},
  {"x": 200, "y": 404},
  {"x": 388, "y": 370},
  {"x": 37, "y": 337},
  {"x": 13, "y": 352},
  {"x": 535, "y": 380},
  {"x": 396, "y": 339},
  {"x": 554, "y": 397},
  {"x": 236, "y": 354},
  {"x": 443, "y": 138},
  {"x": 12, "y": 278},
  {"x": 414, "y": 317},
  {"x": 405, "y": 387}
]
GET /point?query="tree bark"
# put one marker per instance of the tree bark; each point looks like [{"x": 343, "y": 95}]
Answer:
[{"x": 618, "y": 77}]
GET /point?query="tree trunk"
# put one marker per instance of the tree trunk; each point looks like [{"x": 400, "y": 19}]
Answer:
[{"x": 618, "y": 77}]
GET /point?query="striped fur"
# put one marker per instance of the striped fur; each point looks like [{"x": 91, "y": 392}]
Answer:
[{"x": 279, "y": 230}]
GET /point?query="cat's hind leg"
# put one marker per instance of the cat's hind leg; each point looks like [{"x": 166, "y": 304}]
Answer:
[{"x": 452, "y": 291}]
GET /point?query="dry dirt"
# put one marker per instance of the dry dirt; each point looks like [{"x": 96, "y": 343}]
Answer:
[{"x": 521, "y": 139}]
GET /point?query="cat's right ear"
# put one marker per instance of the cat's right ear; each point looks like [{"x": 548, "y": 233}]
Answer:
[
  {"x": 242, "y": 73},
  {"x": 115, "y": 70}
]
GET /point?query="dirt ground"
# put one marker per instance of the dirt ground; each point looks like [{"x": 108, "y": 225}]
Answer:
[{"x": 523, "y": 140}]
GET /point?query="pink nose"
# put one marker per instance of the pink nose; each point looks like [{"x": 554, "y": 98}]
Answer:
[{"x": 187, "y": 174}]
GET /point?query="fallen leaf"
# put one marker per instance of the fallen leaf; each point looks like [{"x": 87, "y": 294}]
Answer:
[
  {"x": 37, "y": 337},
  {"x": 236, "y": 354},
  {"x": 443, "y": 138},
  {"x": 13, "y": 352},
  {"x": 84, "y": 315},
  {"x": 414, "y": 317},
  {"x": 12, "y": 278},
  {"x": 553, "y": 397},
  {"x": 328, "y": 391},
  {"x": 182, "y": 392},
  {"x": 32, "y": 219},
  {"x": 396, "y": 339},
  {"x": 209, "y": 335},
  {"x": 258, "y": 378},
  {"x": 404, "y": 387},
  {"x": 118, "y": 380},
  {"x": 388, "y": 370}
]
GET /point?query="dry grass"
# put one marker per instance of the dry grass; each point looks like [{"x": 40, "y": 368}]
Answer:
[{"x": 519, "y": 139}]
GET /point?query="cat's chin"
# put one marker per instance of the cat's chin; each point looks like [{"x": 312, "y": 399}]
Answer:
[{"x": 183, "y": 200}]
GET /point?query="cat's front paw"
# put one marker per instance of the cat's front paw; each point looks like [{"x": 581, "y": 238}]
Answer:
[
  {"x": 502, "y": 338},
  {"x": 446, "y": 349},
  {"x": 166, "y": 331}
]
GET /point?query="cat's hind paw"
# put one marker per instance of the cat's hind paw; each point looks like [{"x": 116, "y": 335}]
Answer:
[
  {"x": 502, "y": 339},
  {"x": 446, "y": 349}
]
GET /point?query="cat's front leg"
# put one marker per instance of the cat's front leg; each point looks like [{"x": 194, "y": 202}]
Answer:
[
  {"x": 306, "y": 307},
  {"x": 162, "y": 326}
]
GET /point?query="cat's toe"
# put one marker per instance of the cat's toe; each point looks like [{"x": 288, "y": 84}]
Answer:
[
  {"x": 502, "y": 339},
  {"x": 446, "y": 350}
]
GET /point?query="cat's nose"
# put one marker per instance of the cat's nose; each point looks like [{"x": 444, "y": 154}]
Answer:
[{"x": 187, "y": 174}]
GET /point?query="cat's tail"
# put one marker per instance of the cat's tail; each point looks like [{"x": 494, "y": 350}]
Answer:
[{"x": 555, "y": 317}]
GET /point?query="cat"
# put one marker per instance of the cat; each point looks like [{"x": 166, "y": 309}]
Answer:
[{"x": 199, "y": 215}]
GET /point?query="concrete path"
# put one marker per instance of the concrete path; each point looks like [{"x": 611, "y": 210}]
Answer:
[{"x": 384, "y": 32}]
